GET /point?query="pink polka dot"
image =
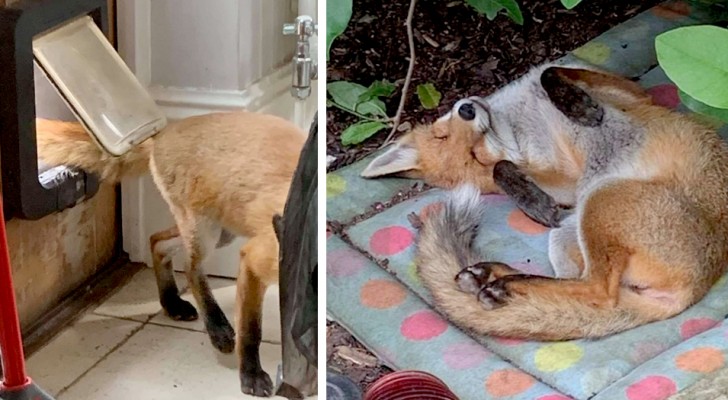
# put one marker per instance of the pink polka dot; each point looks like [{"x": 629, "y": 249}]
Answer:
[
  {"x": 653, "y": 387},
  {"x": 341, "y": 263},
  {"x": 423, "y": 325},
  {"x": 464, "y": 355},
  {"x": 646, "y": 351},
  {"x": 508, "y": 341},
  {"x": 495, "y": 199},
  {"x": 530, "y": 268},
  {"x": 554, "y": 397},
  {"x": 695, "y": 326},
  {"x": 665, "y": 95},
  {"x": 391, "y": 240}
]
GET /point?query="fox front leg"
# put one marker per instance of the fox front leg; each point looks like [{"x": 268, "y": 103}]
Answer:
[{"x": 534, "y": 202}]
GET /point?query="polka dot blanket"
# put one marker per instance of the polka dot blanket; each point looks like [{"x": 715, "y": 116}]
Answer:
[{"x": 373, "y": 289}]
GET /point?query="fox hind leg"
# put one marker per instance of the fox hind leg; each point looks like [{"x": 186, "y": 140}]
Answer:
[
  {"x": 164, "y": 245},
  {"x": 258, "y": 270},
  {"x": 200, "y": 236}
]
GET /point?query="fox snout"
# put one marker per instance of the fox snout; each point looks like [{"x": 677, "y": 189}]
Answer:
[
  {"x": 473, "y": 109},
  {"x": 467, "y": 111}
]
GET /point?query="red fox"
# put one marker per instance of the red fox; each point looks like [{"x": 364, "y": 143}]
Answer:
[
  {"x": 222, "y": 175},
  {"x": 638, "y": 194}
]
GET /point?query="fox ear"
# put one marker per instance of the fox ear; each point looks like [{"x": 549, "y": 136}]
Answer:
[
  {"x": 608, "y": 88},
  {"x": 571, "y": 100},
  {"x": 401, "y": 159}
]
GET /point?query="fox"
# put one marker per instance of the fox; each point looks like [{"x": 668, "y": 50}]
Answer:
[
  {"x": 636, "y": 195},
  {"x": 222, "y": 175}
]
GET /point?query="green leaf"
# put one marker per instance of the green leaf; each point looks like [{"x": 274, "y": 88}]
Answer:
[
  {"x": 491, "y": 8},
  {"x": 373, "y": 107},
  {"x": 377, "y": 89},
  {"x": 347, "y": 94},
  {"x": 700, "y": 108},
  {"x": 429, "y": 96},
  {"x": 360, "y": 132},
  {"x": 569, "y": 4},
  {"x": 696, "y": 59},
  {"x": 338, "y": 14}
]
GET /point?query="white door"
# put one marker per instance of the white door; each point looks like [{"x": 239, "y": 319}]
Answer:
[{"x": 215, "y": 58}]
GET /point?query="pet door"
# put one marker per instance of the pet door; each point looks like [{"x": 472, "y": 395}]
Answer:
[{"x": 97, "y": 86}]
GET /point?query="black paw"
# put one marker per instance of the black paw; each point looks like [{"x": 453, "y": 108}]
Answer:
[
  {"x": 179, "y": 310},
  {"x": 548, "y": 216},
  {"x": 222, "y": 334},
  {"x": 494, "y": 294},
  {"x": 473, "y": 278},
  {"x": 256, "y": 383}
]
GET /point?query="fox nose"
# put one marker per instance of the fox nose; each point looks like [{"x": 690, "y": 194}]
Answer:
[{"x": 467, "y": 111}]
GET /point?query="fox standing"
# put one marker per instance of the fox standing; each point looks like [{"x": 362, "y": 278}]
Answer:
[
  {"x": 222, "y": 175},
  {"x": 647, "y": 233}
]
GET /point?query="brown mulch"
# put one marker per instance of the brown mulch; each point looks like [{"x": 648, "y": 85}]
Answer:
[{"x": 458, "y": 50}]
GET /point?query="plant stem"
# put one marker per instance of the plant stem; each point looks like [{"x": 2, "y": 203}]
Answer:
[
  {"x": 362, "y": 116},
  {"x": 410, "y": 70}
]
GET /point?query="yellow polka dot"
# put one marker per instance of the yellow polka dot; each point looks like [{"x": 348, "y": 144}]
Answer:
[
  {"x": 335, "y": 185},
  {"x": 412, "y": 272},
  {"x": 594, "y": 52},
  {"x": 558, "y": 356}
]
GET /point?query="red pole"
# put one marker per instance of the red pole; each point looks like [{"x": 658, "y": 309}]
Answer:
[{"x": 11, "y": 342}]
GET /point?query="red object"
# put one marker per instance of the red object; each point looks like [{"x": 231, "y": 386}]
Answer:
[
  {"x": 409, "y": 385},
  {"x": 11, "y": 343}
]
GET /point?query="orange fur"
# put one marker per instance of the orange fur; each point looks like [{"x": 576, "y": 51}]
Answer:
[
  {"x": 219, "y": 173},
  {"x": 652, "y": 234}
]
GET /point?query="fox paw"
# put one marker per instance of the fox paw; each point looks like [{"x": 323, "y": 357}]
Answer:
[
  {"x": 471, "y": 279},
  {"x": 494, "y": 294},
  {"x": 222, "y": 334},
  {"x": 256, "y": 383},
  {"x": 179, "y": 310}
]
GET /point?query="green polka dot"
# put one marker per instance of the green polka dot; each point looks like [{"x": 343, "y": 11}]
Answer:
[
  {"x": 558, "y": 356},
  {"x": 412, "y": 272},
  {"x": 594, "y": 52},
  {"x": 335, "y": 185}
]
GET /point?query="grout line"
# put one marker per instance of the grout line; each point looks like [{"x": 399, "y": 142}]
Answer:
[
  {"x": 105, "y": 356},
  {"x": 182, "y": 328}
]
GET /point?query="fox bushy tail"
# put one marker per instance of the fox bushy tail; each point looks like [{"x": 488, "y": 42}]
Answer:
[
  {"x": 68, "y": 143},
  {"x": 445, "y": 247}
]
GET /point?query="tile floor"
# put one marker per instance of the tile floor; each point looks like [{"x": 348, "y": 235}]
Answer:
[{"x": 127, "y": 348}]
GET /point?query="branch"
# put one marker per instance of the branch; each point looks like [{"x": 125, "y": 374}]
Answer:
[{"x": 408, "y": 78}]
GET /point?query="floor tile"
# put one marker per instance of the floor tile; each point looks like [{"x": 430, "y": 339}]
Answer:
[
  {"x": 76, "y": 349},
  {"x": 165, "y": 363},
  {"x": 138, "y": 299},
  {"x": 224, "y": 292}
]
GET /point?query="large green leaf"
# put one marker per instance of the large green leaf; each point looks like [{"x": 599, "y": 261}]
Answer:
[
  {"x": 570, "y": 3},
  {"x": 347, "y": 94},
  {"x": 376, "y": 89},
  {"x": 491, "y": 8},
  {"x": 360, "y": 132},
  {"x": 338, "y": 14},
  {"x": 700, "y": 108},
  {"x": 696, "y": 59},
  {"x": 429, "y": 96}
]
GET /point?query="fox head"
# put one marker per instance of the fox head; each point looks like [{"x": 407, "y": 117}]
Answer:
[
  {"x": 440, "y": 153},
  {"x": 516, "y": 123}
]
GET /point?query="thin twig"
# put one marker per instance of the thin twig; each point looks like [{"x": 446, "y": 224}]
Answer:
[{"x": 410, "y": 70}]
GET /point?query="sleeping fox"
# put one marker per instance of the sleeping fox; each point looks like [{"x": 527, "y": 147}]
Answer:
[
  {"x": 638, "y": 195},
  {"x": 222, "y": 175}
]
